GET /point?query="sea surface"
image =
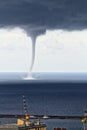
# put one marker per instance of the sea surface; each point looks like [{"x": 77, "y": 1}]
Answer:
[{"x": 45, "y": 98}]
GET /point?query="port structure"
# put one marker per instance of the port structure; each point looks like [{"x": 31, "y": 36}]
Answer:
[
  {"x": 26, "y": 124},
  {"x": 24, "y": 120},
  {"x": 42, "y": 116}
]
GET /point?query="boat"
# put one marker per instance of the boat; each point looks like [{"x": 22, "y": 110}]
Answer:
[{"x": 24, "y": 123}]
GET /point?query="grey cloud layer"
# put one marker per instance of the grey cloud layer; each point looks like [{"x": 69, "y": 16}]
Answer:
[{"x": 44, "y": 14}]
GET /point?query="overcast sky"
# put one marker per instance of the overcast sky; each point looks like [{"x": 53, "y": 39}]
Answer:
[{"x": 60, "y": 28}]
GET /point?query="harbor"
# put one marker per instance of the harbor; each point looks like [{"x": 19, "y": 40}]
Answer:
[
  {"x": 50, "y": 108},
  {"x": 23, "y": 121}
]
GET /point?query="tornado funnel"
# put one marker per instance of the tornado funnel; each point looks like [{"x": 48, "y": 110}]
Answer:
[
  {"x": 29, "y": 76},
  {"x": 33, "y": 53}
]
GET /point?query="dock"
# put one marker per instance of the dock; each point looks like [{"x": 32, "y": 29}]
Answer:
[{"x": 42, "y": 116}]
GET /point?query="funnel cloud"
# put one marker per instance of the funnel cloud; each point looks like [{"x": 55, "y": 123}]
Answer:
[
  {"x": 33, "y": 53},
  {"x": 34, "y": 34}
]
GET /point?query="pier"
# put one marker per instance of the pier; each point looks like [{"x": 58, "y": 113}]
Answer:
[{"x": 42, "y": 116}]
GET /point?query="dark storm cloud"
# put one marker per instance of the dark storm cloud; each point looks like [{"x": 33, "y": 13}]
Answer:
[{"x": 38, "y": 15}]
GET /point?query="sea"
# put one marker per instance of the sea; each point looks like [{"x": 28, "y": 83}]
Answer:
[{"x": 44, "y": 96}]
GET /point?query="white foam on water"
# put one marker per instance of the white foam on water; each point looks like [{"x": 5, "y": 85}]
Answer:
[{"x": 29, "y": 78}]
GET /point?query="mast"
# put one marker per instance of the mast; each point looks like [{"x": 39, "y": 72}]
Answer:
[{"x": 25, "y": 111}]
